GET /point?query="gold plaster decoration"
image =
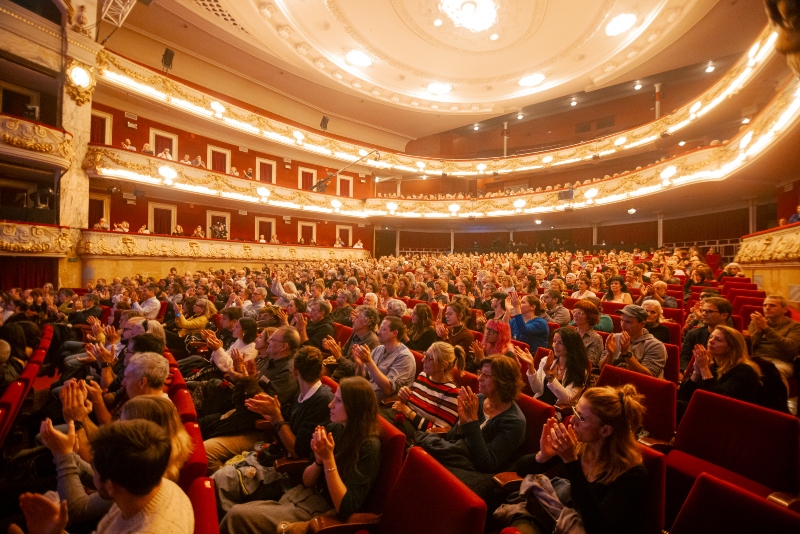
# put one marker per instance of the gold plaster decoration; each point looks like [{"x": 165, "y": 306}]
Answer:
[
  {"x": 775, "y": 246},
  {"x": 33, "y": 239},
  {"x": 131, "y": 246},
  {"x": 784, "y": 16},
  {"x": 36, "y": 137},
  {"x": 79, "y": 82}
]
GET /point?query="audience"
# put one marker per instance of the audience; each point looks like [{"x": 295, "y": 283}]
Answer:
[{"x": 635, "y": 349}]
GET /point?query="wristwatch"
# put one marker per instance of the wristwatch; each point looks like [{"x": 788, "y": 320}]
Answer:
[
  {"x": 277, "y": 426},
  {"x": 626, "y": 355},
  {"x": 106, "y": 364}
]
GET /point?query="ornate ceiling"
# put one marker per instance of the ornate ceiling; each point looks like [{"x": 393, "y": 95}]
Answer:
[{"x": 392, "y": 51}]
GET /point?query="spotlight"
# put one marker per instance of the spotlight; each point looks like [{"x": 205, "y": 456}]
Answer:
[
  {"x": 519, "y": 116},
  {"x": 631, "y": 211},
  {"x": 638, "y": 85},
  {"x": 475, "y": 127},
  {"x": 114, "y": 189},
  {"x": 710, "y": 67},
  {"x": 573, "y": 103},
  {"x": 166, "y": 59},
  {"x": 324, "y": 123},
  {"x": 746, "y": 120},
  {"x": 682, "y": 143}
]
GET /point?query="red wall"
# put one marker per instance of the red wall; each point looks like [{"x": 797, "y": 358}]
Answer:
[
  {"x": 194, "y": 144},
  {"x": 424, "y": 240},
  {"x": 640, "y": 232},
  {"x": 242, "y": 227},
  {"x": 723, "y": 225},
  {"x": 484, "y": 239},
  {"x": 788, "y": 200}
]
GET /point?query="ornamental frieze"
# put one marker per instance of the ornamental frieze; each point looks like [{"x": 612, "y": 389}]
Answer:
[
  {"x": 776, "y": 246},
  {"x": 142, "y": 246},
  {"x": 34, "y": 239},
  {"x": 34, "y": 137}
]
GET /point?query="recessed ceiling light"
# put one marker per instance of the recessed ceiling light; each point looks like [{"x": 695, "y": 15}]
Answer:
[
  {"x": 531, "y": 80},
  {"x": 421, "y": 164},
  {"x": 620, "y": 24},
  {"x": 710, "y": 67},
  {"x": 552, "y": 227},
  {"x": 746, "y": 120},
  {"x": 362, "y": 152},
  {"x": 437, "y": 22},
  {"x": 475, "y": 127},
  {"x": 424, "y": 177},
  {"x": 358, "y": 58},
  {"x": 682, "y": 143},
  {"x": 573, "y": 103},
  {"x": 631, "y": 211},
  {"x": 519, "y": 116},
  {"x": 538, "y": 221},
  {"x": 437, "y": 88},
  {"x": 494, "y": 37},
  {"x": 216, "y": 106},
  {"x": 638, "y": 85},
  {"x": 298, "y": 135}
]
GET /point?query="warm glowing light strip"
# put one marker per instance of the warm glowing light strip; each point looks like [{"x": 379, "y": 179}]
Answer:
[{"x": 745, "y": 70}]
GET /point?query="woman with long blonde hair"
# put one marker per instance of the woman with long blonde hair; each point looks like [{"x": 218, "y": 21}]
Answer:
[{"x": 599, "y": 456}]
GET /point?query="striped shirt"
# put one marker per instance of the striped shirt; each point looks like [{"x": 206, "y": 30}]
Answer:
[{"x": 435, "y": 404}]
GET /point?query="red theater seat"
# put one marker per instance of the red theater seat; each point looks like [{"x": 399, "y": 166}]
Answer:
[
  {"x": 203, "y": 497},
  {"x": 536, "y": 415},
  {"x": 182, "y": 400}
]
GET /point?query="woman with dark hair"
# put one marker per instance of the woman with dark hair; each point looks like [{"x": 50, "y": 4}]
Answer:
[
  {"x": 422, "y": 333},
  {"x": 617, "y": 291},
  {"x": 527, "y": 322},
  {"x": 598, "y": 454},
  {"x": 697, "y": 278},
  {"x": 346, "y": 462},
  {"x": 489, "y": 430},
  {"x": 403, "y": 287},
  {"x": 14, "y": 335},
  {"x": 385, "y": 294},
  {"x": 245, "y": 333},
  {"x": 584, "y": 283},
  {"x": 563, "y": 374},
  {"x": 454, "y": 329}
]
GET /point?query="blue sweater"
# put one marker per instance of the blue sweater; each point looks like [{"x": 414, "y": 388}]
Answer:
[{"x": 533, "y": 332}]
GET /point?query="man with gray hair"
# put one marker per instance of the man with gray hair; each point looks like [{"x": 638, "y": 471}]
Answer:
[
  {"x": 319, "y": 325},
  {"x": 352, "y": 287},
  {"x": 658, "y": 292},
  {"x": 365, "y": 322},
  {"x": 344, "y": 308},
  {"x": 396, "y": 308},
  {"x": 257, "y": 301}
]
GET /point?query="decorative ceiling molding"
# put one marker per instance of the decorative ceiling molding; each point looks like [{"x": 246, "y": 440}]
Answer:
[{"x": 120, "y": 72}]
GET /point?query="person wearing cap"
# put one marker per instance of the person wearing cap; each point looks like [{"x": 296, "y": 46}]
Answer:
[
  {"x": 635, "y": 348},
  {"x": 344, "y": 308},
  {"x": 352, "y": 287}
]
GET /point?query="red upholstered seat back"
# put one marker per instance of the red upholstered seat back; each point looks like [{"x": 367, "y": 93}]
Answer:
[
  {"x": 197, "y": 464},
  {"x": 672, "y": 369},
  {"x": 393, "y": 444},
  {"x": 660, "y": 398},
  {"x": 182, "y": 400},
  {"x": 428, "y": 498},
  {"x": 760, "y": 444},
  {"x": 162, "y": 311},
  {"x": 202, "y": 494},
  {"x": 105, "y": 314},
  {"x": 739, "y": 301},
  {"x": 341, "y": 333},
  {"x": 714, "y": 505},
  {"x": 330, "y": 382},
  {"x": 675, "y": 337},
  {"x": 536, "y": 415},
  {"x": 418, "y": 358},
  {"x": 465, "y": 379},
  {"x": 656, "y": 464}
]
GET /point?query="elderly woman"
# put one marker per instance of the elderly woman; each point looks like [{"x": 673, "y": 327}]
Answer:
[
  {"x": 396, "y": 308},
  {"x": 285, "y": 291},
  {"x": 489, "y": 431},
  {"x": 195, "y": 319},
  {"x": 585, "y": 317},
  {"x": 732, "y": 269},
  {"x": 655, "y": 316},
  {"x": 432, "y": 400}
]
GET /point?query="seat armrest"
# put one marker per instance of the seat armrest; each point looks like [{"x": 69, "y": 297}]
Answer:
[
  {"x": 85, "y": 331},
  {"x": 333, "y": 525},
  {"x": 508, "y": 481},
  {"x": 786, "y": 500},
  {"x": 291, "y": 466},
  {"x": 266, "y": 426},
  {"x": 657, "y": 444}
]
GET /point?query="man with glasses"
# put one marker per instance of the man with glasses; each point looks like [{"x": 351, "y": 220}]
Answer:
[
  {"x": 714, "y": 311},
  {"x": 776, "y": 337}
]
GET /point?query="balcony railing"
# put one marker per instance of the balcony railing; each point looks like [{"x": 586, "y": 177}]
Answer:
[{"x": 30, "y": 141}]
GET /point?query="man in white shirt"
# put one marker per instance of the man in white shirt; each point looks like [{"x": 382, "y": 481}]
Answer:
[
  {"x": 257, "y": 301},
  {"x": 150, "y": 306}
]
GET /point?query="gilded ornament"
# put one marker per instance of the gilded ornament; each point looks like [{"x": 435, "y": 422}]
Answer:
[{"x": 79, "y": 82}]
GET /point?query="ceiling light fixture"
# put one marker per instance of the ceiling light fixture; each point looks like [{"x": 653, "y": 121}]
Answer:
[
  {"x": 631, "y": 211},
  {"x": 532, "y": 80},
  {"x": 475, "y": 127},
  {"x": 421, "y": 164},
  {"x": 437, "y": 22},
  {"x": 454, "y": 208},
  {"x": 746, "y": 120},
  {"x": 591, "y": 193},
  {"x": 474, "y": 15},
  {"x": 710, "y": 67},
  {"x": 669, "y": 172},
  {"x": 216, "y": 106},
  {"x": 167, "y": 172},
  {"x": 358, "y": 58},
  {"x": 682, "y": 143},
  {"x": 481, "y": 167},
  {"x": 573, "y": 103},
  {"x": 519, "y": 116},
  {"x": 620, "y": 24},
  {"x": 80, "y": 77},
  {"x": 620, "y": 141},
  {"x": 263, "y": 191},
  {"x": 638, "y": 85},
  {"x": 299, "y": 136},
  {"x": 437, "y": 88},
  {"x": 494, "y": 37},
  {"x": 538, "y": 221},
  {"x": 424, "y": 176},
  {"x": 362, "y": 152}
]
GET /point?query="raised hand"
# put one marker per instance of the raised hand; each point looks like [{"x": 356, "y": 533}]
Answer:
[
  {"x": 75, "y": 403},
  {"x": 112, "y": 335},
  {"x": 42, "y": 515},
  {"x": 404, "y": 393},
  {"x": 477, "y": 350},
  {"x": 467, "y": 405},
  {"x": 269, "y": 407},
  {"x": 250, "y": 368},
  {"x": 564, "y": 442},
  {"x": 611, "y": 343},
  {"x": 759, "y": 320},
  {"x": 238, "y": 360},
  {"x": 322, "y": 444},
  {"x": 523, "y": 355},
  {"x": 441, "y": 330},
  {"x": 624, "y": 342},
  {"x": 60, "y": 444},
  {"x": 333, "y": 347}
]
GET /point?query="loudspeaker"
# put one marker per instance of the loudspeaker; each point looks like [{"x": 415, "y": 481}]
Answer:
[
  {"x": 324, "y": 123},
  {"x": 166, "y": 59},
  {"x": 566, "y": 195}
]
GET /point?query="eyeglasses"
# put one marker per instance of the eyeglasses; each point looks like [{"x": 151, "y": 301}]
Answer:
[
  {"x": 579, "y": 416},
  {"x": 708, "y": 311}
]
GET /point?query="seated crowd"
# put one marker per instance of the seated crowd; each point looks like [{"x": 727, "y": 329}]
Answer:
[{"x": 309, "y": 361}]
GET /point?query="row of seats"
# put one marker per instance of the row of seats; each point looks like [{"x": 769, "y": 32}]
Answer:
[{"x": 15, "y": 394}]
